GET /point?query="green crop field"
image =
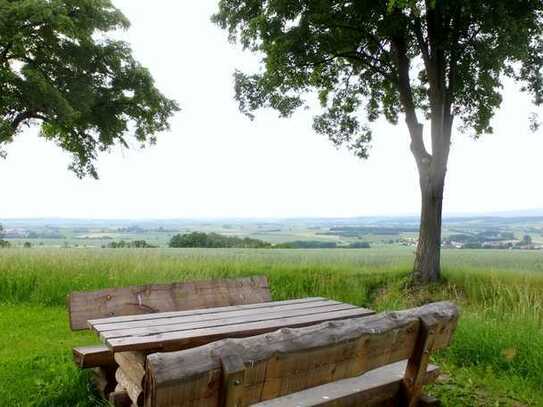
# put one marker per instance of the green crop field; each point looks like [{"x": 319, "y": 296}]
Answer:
[{"x": 496, "y": 358}]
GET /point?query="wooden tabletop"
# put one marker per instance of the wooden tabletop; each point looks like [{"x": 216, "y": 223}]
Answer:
[{"x": 168, "y": 331}]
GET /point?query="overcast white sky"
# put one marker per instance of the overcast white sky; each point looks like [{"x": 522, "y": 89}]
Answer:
[{"x": 216, "y": 163}]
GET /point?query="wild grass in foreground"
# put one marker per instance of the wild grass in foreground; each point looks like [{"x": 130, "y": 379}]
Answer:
[{"x": 495, "y": 360}]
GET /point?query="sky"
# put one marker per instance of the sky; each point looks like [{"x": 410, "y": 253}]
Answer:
[{"x": 216, "y": 163}]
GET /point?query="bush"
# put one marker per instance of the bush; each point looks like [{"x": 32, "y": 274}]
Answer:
[
  {"x": 306, "y": 244},
  {"x": 214, "y": 240},
  {"x": 136, "y": 244},
  {"x": 359, "y": 245}
]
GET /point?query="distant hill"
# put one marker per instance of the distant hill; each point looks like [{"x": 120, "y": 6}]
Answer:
[{"x": 520, "y": 216}]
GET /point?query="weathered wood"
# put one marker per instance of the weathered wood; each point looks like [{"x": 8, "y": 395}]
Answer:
[
  {"x": 418, "y": 361},
  {"x": 93, "y": 356},
  {"x": 120, "y": 399},
  {"x": 145, "y": 299},
  {"x": 133, "y": 365},
  {"x": 375, "y": 388},
  {"x": 201, "y": 311},
  {"x": 292, "y": 360},
  {"x": 259, "y": 316},
  {"x": 103, "y": 379},
  {"x": 233, "y": 368},
  {"x": 170, "y": 341},
  {"x": 134, "y": 390},
  {"x": 109, "y": 327}
]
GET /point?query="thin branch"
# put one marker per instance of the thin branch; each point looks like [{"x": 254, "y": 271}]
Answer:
[{"x": 23, "y": 116}]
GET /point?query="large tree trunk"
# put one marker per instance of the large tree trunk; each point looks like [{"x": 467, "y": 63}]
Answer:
[
  {"x": 432, "y": 166},
  {"x": 427, "y": 266},
  {"x": 432, "y": 169}
]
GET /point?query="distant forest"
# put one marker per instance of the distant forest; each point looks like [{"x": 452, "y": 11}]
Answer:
[{"x": 215, "y": 240}]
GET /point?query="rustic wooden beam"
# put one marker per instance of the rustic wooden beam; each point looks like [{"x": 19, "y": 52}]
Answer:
[
  {"x": 152, "y": 298},
  {"x": 133, "y": 365},
  {"x": 93, "y": 356},
  {"x": 233, "y": 368},
  {"x": 418, "y": 361},
  {"x": 134, "y": 390}
]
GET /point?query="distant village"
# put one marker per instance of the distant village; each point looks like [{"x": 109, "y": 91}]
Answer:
[{"x": 484, "y": 240}]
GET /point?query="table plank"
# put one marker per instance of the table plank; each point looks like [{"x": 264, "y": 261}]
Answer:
[
  {"x": 195, "y": 337},
  {"x": 202, "y": 311},
  {"x": 228, "y": 320},
  {"x": 102, "y": 328}
]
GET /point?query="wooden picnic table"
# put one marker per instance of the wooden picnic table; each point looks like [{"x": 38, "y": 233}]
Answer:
[
  {"x": 170, "y": 331},
  {"x": 132, "y": 338}
]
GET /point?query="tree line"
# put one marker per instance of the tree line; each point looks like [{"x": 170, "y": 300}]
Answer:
[
  {"x": 215, "y": 240},
  {"x": 3, "y": 243}
]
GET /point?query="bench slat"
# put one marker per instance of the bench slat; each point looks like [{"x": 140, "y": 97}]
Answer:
[{"x": 145, "y": 299}]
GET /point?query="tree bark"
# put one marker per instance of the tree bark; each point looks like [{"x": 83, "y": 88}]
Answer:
[
  {"x": 432, "y": 171},
  {"x": 427, "y": 267}
]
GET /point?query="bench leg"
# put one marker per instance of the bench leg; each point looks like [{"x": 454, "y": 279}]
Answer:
[{"x": 103, "y": 379}]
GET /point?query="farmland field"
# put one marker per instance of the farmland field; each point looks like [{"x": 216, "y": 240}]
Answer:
[{"x": 495, "y": 360}]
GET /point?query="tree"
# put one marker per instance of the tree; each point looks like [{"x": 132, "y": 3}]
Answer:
[
  {"x": 59, "y": 69},
  {"x": 3, "y": 243},
  {"x": 215, "y": 240},
  {"x": 433, "y": 60}
]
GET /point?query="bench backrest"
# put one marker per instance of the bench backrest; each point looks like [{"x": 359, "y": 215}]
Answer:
[
  {"x": 241, "y": 372},
  {"x": 144, "y": 299}
]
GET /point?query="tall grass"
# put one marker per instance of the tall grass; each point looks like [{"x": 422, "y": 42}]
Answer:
[
  {"x": 499, "y": 338},
  {"x": 46, "y": 277}
]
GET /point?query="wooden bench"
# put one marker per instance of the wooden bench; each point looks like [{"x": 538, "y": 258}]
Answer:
[
  {"x": 152, "y": 298},
  {"x": 380, "y": 360}
]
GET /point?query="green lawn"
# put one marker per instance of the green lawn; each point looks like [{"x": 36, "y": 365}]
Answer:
[{"x": 495, "y": 360}]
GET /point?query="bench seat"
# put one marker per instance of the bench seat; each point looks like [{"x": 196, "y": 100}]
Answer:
[
  {"x": 353, "y": 362},
  {"x": 374, "y": 388}
]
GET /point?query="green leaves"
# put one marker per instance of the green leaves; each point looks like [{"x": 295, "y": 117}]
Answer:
[
  {"x": 59, "y": 69},
  {"x": 349, "y": 53}
]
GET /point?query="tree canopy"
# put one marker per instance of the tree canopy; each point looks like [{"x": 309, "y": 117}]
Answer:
[
  {"x": 436, "y": 60},
  {"x": 372, "y": 58},
  {"x": 61, "y": 69}
]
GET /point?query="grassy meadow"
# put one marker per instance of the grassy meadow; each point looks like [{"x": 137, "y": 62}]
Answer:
[{"x": 496, "y": 358}]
